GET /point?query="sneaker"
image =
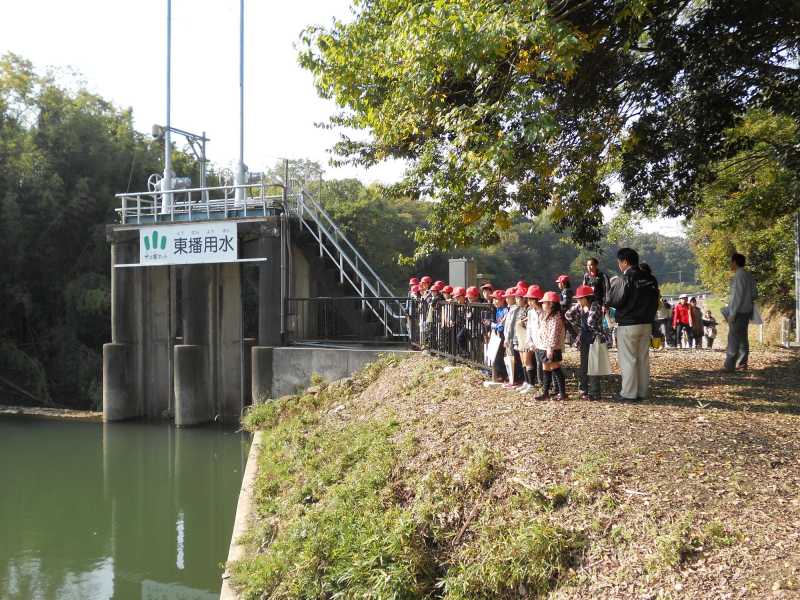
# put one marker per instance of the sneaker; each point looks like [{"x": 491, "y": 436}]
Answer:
[
  {"x": 541, "y": 396},
  {"x": 562, "y": 397},
  {"x": 585, "y": 396},
  {"x": 491, "y": 383},
  {"x": 525, "y": 387}
]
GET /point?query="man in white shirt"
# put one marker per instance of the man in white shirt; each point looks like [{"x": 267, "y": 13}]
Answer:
[{"x": 738, "y": 314}]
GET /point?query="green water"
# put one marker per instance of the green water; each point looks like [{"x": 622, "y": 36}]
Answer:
[{"x": 123, "y": 511}]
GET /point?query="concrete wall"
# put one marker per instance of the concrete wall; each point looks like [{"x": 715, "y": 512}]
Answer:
[{"x": 290, "y": 368}]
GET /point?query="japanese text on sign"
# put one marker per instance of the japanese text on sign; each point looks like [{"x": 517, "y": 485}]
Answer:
[{"x": 188, "y": 243}]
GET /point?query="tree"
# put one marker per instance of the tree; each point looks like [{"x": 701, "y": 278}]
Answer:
[
  {"x": 64, "y": 153},
  {"x": 535, "y": 106},
  {"x": 749, "y": 208}
]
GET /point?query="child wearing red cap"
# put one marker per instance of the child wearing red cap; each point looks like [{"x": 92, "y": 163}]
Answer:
[
  {"x": 587, "y": 319},
  {"x": 551, "y": 336}
]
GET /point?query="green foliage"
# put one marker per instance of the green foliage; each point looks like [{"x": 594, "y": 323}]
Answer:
[
  {"x": 750, "y": 207},
  {"x": 513, "y": 557},
  {"x": 533, "y": 107},
  {"x": 64, "y": 153}
]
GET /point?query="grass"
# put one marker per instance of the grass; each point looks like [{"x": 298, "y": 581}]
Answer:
[{"x": 338, "y": 515}]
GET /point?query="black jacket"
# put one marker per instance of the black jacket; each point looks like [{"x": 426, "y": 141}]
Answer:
[
  {"x": 599, "y": 283},
  {"x": 635, "y": 295}
]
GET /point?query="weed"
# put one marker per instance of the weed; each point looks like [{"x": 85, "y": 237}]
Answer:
[
  {"x": 483, "y": 468},
  {"x": 511, "y": 558}
]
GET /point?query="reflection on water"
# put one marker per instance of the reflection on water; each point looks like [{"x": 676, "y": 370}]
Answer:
[{"x": 123, "y": 511}]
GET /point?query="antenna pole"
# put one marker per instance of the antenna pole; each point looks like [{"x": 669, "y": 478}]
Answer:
[{"x": 166, "y": 182}]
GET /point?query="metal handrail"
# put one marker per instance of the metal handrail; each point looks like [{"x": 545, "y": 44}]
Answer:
[
  {"x": 336, "y": 228},
  {"x": 317, "y": 213}
]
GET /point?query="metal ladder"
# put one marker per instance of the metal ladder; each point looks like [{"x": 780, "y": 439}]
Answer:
[{"x": 352, "y": 267}]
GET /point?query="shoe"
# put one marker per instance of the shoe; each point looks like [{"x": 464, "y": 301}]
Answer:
[
  {"x": 562, "y": 397},
  {"x": 742, "y": 367},
  {"x": 524, "y": 388},
  {"x": 541, "y": 396},
  {"x": 621, "y": 398},
  {"x": 585, "y": 396},
  {"x": 510, "y": 386},
  {"x": 491, "y": 383}
]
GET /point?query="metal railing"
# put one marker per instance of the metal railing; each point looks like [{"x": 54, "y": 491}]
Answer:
[
  {"x": 352, "y": 267},
  {"x": 456, "y": 331},
  {"x": 198, "y": 203},
  {"x": 348, "y": 319}
]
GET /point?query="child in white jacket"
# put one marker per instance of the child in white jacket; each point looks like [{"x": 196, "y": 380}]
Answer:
[{"x": 533, "y": 365}]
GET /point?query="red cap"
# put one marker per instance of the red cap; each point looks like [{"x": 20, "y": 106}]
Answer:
[
  {"x": 562, "y": 278},
  {"x": 534, "y": 291},
  {"x": 512, "y": 291},
  {"x": 426, "y": 279},
  {"x": 439, "y": 282},
  {"x": 487, "y": 286},
  {"x": 498, "y": 294},
  {"x": 551, "y": 297},
  {"x": 459, "y": 291},
  {"x": 436, "y": 287},
  {"x": 448, "y": 289},
  {"x": 413, "y": 281},
  {"x": 583, "y": 291},
  {"x": 522, "y": 284},
  {"x": 473, "y": 292},
  {"x": 415, "y": 289}
]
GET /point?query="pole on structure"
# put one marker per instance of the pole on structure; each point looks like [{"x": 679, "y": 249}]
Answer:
[
  {"x": 166, "y": 182},
  {"x": 240, "y": 167},
  {"x": 797, "y": 278}
]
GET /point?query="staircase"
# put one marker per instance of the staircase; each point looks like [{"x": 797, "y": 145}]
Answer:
[{"x": 352, "y": 269}]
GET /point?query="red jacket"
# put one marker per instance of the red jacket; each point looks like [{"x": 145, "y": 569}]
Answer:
[{"x": 681, "y": 314}]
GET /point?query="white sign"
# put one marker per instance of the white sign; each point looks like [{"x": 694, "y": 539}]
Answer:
[{"x": 188, "y": 243}]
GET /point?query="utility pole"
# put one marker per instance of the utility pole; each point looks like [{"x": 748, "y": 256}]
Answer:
[{"x": 166, "y": 182}]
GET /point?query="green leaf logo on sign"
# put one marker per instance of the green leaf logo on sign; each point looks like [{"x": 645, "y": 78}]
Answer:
[{"x": 155, "y": 243}]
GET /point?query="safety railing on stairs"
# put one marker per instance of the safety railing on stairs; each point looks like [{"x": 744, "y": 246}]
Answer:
[{"x": 353, "y": 269}]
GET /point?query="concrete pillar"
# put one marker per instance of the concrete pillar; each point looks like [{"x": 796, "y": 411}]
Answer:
[
  {"x": 118, "y": 401},
  {"x": 194, "y": 304},
  {"x": 157, "y": 341},
  {"x": 122, "y": 385},
  {"x": 262, "y": 373},
  {"x": 269, "y": 291},
  {"x": 230, "y": 347},
  {"x": 191, "y": 390}
]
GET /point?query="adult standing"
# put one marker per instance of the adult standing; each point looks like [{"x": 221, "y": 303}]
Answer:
[
  {"x": 682, "y": 321},
  {"x": 596, "y": 279},
  {"x": 697, "y": 323},
  {"x": 635, "y": 296},
  {"x": 738, "y": 314}
]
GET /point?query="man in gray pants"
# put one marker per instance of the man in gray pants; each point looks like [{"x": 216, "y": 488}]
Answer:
[{"x": 738, "y": 314}]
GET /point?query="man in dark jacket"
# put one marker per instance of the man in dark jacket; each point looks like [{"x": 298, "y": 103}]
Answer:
[{"x": 635, "y": 297}]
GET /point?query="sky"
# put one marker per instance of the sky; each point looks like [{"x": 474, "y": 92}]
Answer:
[{"x": 119, "y": 49}]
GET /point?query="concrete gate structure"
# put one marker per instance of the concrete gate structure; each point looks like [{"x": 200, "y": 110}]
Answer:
[{"x": 179, "y": 347}]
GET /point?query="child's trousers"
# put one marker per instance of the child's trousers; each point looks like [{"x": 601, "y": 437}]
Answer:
[{"x": 588, "y": 385}]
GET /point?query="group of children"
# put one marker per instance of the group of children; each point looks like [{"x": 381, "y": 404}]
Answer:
[{"x": 524, "y": 335}]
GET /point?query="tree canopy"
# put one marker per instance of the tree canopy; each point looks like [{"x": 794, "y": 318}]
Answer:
[
  {"x": 64, "y": 153},
  {"x": 527, "y": 106}
]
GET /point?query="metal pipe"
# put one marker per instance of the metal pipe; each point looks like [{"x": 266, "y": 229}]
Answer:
[
  {"x": 240, "y": 166},
  {"x": 166, "y": 182}
]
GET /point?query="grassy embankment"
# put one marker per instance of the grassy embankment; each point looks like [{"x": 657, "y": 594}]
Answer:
[{"x": 412, "y": 481}]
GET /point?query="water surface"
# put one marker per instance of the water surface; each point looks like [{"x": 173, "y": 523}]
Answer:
[{"x": 126, "y": 511}]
